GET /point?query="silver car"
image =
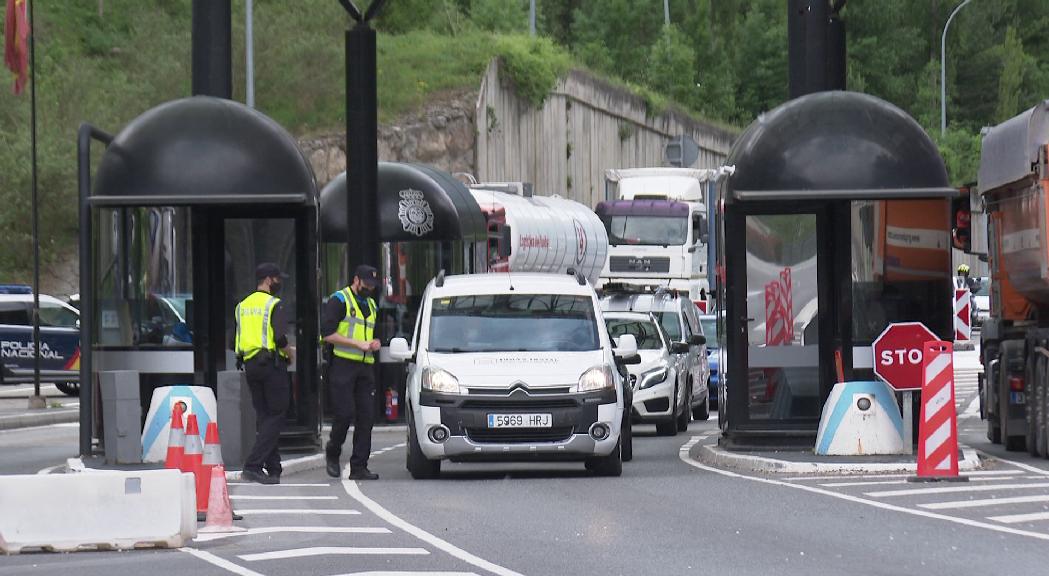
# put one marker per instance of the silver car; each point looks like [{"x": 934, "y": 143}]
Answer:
[{"x": 660, "y": 382}]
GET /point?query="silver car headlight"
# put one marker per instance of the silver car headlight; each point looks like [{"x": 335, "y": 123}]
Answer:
[
  {"x": 596, "y": 378},
  {"x": 441, "y": 381},
  {"x": 652, "y": 377}
]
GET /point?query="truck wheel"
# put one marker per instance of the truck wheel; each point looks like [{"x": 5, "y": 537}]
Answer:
[
  {"x": 611, "y": 465},
  {"x": 686, "y": 411},
  {"x": 68, "y": 388},
  {"x": 419, "y": 466}
]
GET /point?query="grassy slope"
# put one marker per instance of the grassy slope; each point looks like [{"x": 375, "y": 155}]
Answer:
[{"x": 108, "y": 69}]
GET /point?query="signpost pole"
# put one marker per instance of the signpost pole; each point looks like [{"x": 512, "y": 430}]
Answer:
[{"x": 908, "y": 422}]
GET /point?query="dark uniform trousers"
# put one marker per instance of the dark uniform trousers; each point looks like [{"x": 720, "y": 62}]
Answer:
[
  {"x": 352, "y": 386},
  {"x": 270, "y": 393}
]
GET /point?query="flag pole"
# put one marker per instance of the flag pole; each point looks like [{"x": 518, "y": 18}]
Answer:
[{"x": 37, "y": 401}]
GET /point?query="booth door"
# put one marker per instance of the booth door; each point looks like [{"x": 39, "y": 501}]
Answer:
[{"x": 782, "y": 334}]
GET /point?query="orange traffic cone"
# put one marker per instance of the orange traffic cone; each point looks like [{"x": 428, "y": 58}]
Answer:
[
  {"x": 192, "y": 457},
  {"x": 220, "y": 514},
  {"x": 212, "y": 457},
  {"x": 176, "y": 439}
]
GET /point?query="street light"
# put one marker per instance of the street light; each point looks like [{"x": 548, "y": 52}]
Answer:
[{"x": 943, "y": 69}]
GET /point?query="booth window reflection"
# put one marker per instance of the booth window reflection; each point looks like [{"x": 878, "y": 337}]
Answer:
[
  {"x": 900, "y": 266},
  {"x": 143, "y": 278}
]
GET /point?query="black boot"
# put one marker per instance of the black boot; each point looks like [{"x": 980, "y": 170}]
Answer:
[{"x": 331, "y": 460}]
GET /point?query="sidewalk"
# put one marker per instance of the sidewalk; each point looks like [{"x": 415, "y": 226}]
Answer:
[
  {"x": 807, "y": 462},
  {"x": 14, "y": 411}
]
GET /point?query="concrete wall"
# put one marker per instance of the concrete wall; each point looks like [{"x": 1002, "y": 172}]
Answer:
[{"x": 585, "y": 126}]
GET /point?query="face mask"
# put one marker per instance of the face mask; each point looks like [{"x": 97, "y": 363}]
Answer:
[{"x": 275, "y": 287}]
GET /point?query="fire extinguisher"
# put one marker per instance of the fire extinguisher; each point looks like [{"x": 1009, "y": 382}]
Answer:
[{"x": 391, "y": 404}]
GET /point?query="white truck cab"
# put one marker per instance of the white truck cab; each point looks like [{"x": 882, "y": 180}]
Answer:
[
  {"x": 514, "y": 367},
  {"x": 657, "y": 227}
]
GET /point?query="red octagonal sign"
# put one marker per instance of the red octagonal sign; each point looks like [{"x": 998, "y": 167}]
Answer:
[{"x": 898, "y": 354}]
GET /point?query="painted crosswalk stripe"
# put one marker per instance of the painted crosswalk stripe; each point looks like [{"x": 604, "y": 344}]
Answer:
[
  {"x": 1018, "y": 518},
  {"x": 333, "y": 550},
  {"x": 955, "y": 489},
  {"x": 296, "y": 529},
  {"x": 868, "y": 483},
  {"x": 304, "y": 511},
  {"x": 279, "y": 485},
  {"x": 958, "y": 504},
  {"x": 256, "y": 497}
]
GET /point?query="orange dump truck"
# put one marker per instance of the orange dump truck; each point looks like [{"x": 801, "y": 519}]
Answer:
[{"x": 1009, "y": 218}]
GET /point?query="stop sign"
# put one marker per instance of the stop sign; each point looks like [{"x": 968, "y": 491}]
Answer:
[{"x": 898, "y": 354}]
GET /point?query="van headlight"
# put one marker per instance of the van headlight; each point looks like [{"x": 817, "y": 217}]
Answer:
[
  {"x": 596, "y": 378},
  {"x": 652, "y": 377},
  {"x": 441, "y": 381}
]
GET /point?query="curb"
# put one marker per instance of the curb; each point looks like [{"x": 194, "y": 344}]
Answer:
[
  {"x": 723, "y": 459},
  {"x": 42, "y": 418}
]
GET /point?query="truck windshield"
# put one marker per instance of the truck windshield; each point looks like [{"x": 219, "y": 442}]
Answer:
[
  {"x": 647, "y": 230},
  {"x": 513, "y": 323}
]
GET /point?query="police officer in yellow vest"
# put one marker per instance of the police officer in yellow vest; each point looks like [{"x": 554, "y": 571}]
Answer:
[
  {"x": 348, "y": 323},
  {"x": 261, "y": 345}
]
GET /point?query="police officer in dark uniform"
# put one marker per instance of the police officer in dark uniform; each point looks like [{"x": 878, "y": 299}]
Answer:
[
  {"x": 348, "y": 323},
  {"x": 262, "y": 348}
]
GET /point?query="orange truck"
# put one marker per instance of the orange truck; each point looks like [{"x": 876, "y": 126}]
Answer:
[{"x": 1009, "y": 211}]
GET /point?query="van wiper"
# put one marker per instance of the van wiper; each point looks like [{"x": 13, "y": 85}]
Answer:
[{"x": 453, "y": 350}]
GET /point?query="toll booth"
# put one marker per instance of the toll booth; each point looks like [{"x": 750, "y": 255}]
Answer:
[
  {"x": 835, "y": 223},
  {"x": 428, "y": 221},
  {"x": 187, "y": 199}
]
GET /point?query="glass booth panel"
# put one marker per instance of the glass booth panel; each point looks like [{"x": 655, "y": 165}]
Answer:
[
  {"x": 143, "y": 279},
  {"x": 782, "y": 317}
]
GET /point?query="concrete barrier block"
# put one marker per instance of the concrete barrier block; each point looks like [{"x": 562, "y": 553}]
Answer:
[
  {"x": 860, "y": 418},
  {"x": 104, "y": 511}
]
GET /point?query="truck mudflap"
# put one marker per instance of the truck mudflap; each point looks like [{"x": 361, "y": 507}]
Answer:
[{"x": 1012, "y": 397}]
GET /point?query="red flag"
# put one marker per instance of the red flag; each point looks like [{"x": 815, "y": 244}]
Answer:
[{"x": 16, "y": 42}]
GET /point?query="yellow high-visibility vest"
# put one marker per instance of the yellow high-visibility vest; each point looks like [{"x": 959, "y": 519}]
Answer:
[
  {"x": 254, "y": 331},
  {"x": 357, "y": 326}
]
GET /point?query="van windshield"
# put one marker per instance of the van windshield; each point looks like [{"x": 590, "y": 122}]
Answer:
[
  {"x": 513, "y": 323},
  {"x": 647, "y": 230}
]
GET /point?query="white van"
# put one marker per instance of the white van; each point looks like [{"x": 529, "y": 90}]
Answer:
[{"x": 514, "y": 367}]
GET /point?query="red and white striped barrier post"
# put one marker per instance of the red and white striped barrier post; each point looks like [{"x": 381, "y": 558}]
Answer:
[
  {"x": 938, "y": 428},
  {"x": 962, "y": 314}
]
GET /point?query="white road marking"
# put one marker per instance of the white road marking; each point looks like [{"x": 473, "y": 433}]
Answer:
[
  {"x": 954, "y": 489},
  {"x": 1020, "y": 465},
  {"x": 881, "y": 476},
  {"x": 26, "y": 391},
  {"x": 295, "y": 529},
  {"x": 976, "y": 479},
  {"x": 304, "y": 511},
  {"x": 220, "y": 562},
  {"x": 686, "y": 457},
  {"x": 254, "y": 497},
  {"x": 355, "y": 492},
  {"x": 333, "y": 550},
  {"x": 1018, "y": 518},
  {"x": 973, "y": 411},
  {"x": 956, "y": 504}
]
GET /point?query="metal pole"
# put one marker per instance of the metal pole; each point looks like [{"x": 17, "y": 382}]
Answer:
[
  {"x": 908, "y": 422},
  {"x": 249, "y": 33},
  {"x": 666, "y": 12},
  {"x": 943, "y": 69},
  {"x": 531, "y": 17},
  {"x": 36, "y": 401}
]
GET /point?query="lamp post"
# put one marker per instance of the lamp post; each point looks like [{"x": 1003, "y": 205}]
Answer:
[{"x": 943, "y": 68}]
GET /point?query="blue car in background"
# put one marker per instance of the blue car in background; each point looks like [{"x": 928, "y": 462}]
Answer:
[
  {"x": 59, "y": 339},
  {"x": 710, "y": 330}
]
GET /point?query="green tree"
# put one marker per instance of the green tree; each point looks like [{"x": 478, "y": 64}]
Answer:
[
  {"x": 1011, "y": 79},
  {"x": 671, "y": 67},
  {"x": 500, "y": 15}
]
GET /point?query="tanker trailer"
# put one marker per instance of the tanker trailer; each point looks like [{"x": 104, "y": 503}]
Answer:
[
  {"x": 551, "y": 234},
  {"x": 1013, "y": 182}
]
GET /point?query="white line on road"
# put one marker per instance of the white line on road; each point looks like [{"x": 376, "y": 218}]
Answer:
[
  {"x": 973, "y": 411},
  {"x": 1019, "y": 518},
  {"x": 295, "y": 529},
  {"x": 1020, "y": 465},
  {"x": 686, "y": 457},
  {"x": 254, "y": 497},
  {"x": 333, "y": 550},
  {"x": 220, "y": 562},
  {"x": 355, "y": 492},
  {"x": 954, "y": 489},
  {"x": 281, "y": 485},
  {"x": 956, "y": 504},
  {"x": 304, "y": 511},
  {"x": 408, "y": 573},
  {"x": 884, "y": 476},
  {"x": 976, "y": 479}
]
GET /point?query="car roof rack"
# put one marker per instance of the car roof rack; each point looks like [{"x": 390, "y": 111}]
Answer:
[
  {"x": 627, "y": 288},
  {"x": 578, "y": 276}
]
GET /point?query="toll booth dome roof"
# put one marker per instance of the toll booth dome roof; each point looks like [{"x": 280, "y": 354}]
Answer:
[
  {"x": 835, "y": 145},
  {"x": 416, "y": 203},
  {"x": 203, "y": 150}
]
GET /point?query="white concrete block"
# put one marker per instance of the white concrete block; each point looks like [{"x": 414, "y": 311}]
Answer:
[
  {"x": 860, "y": 418},
  {"x": 199, "y": 400},
  {"x": 103, "y": 510}
]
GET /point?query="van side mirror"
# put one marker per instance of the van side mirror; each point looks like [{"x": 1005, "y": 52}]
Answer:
[
  {"x": 504, "y": 242},
  {"x": 626, "y": 347},
  {"x": 679, "y": 347},
  {"x": 697, "y": 340},
  {"x": 700, "y": 231},
  {"x": 399, "y": 350}
]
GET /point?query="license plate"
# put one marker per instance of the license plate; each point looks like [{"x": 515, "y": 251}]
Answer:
[{"x": 519, "y": 420}]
